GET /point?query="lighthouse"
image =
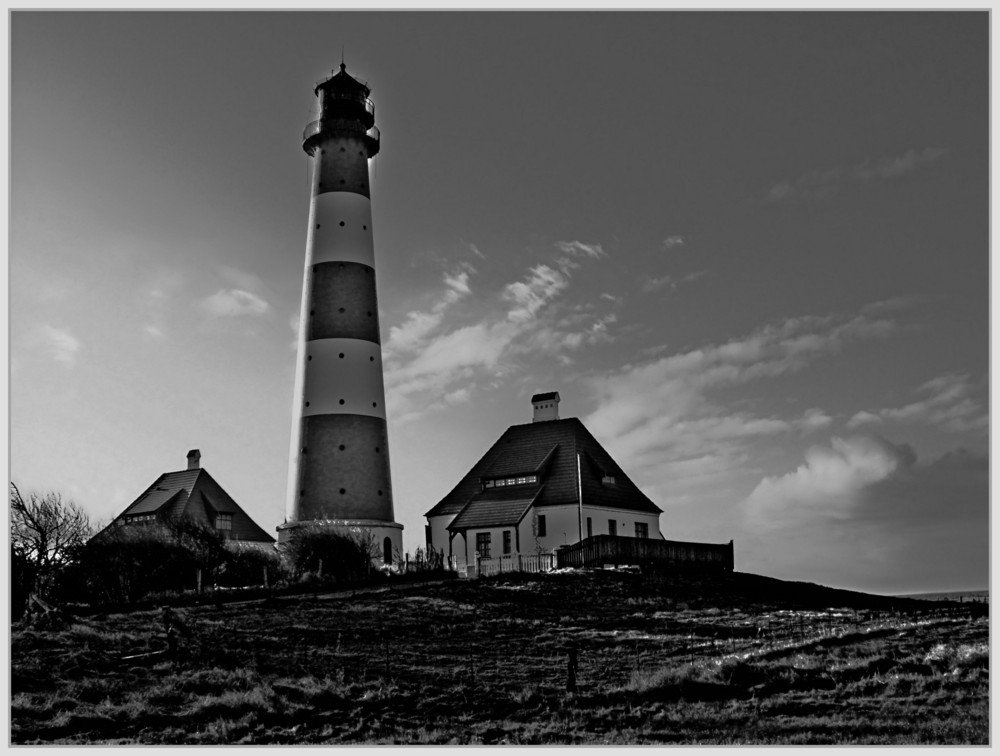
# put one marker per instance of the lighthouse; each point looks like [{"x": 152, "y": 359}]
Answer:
[{"x": 338, "y": 471}]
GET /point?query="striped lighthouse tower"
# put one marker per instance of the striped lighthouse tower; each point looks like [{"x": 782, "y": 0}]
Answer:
[{"x": 339, "y": 458}]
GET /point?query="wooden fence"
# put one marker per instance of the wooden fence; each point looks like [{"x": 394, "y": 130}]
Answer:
[
  {"x": 515, "y": 563},
  {"x": 601, "y": 550}
]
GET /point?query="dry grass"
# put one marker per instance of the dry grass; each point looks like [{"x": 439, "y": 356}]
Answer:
[{"x": 661, "y": 660}]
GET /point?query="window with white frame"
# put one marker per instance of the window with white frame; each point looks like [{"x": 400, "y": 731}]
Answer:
[
  {"x": 641, "y": 530},
  {"x": 223, "y": 522},
  {"x": 483, "y": 545}
]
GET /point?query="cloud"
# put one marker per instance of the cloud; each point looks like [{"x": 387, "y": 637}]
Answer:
[
  {"x": 669, "y": 407},
  {"x": 153, "y": 331},
  {"x": 831, "y": 479},
  {"x": 822, "y": 184},
  {"x": 418, "y": 326},
  {"x": 529, "y": 296},
  {"x": 694, "y": 276},
  {"x": 947, "y": 402},
  {"x": 814, "y": 419},
  {"x": 651, "y": 284},
  {"x": 673, "y": 241},
  {"x": 863, "y": 418},
  {"x": 234, "y": 303},
  {"x": 62, "y": 346},
  {"x": 893, "y": 304},
  {"x": 579, "y": 249},
  {"x": 435, "y": 350},
  {"x": 869, "y": 512}
]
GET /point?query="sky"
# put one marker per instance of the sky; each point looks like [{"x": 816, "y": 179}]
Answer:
[{"x": 749, "y": 250}]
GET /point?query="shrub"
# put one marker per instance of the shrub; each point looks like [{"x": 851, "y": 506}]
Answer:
[
  {"x": 125, "y": 564},
  {"x": 330, "y": 553},
  {"x": 244, "y": 566}
]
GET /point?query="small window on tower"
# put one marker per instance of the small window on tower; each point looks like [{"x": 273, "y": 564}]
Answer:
[{"x": 223, "y": 522}]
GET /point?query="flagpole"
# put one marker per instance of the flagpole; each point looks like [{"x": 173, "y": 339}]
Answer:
[{"x": 579, "y": 489}]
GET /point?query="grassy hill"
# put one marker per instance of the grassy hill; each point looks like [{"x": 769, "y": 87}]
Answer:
[{"x": 734, "y": 658}]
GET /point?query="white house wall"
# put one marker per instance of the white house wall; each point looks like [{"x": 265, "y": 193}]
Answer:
[
  {"x": 562, "y": 527},
  {"x": 439, "y": 533},
  {"x": 626, "y": 522}
]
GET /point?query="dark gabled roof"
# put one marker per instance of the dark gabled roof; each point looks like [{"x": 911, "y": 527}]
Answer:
[
  {"x": 173, "y": 487},
  {"x": 194, "y": 493},
  {"x": 556, "y": 443},
  {"x": 494, "y": 511},
  {"x": 521, "y": 461}
]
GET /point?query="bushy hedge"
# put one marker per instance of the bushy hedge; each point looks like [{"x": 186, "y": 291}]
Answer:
[
  {"x": 331, "y": 554},
  {"x": 124, "y": 565},
  {"x": 246, "y": 565}
]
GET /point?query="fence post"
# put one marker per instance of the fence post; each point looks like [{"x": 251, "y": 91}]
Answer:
[
  {"x": 571, "y": 667},
  {"x": 319, "y": 570},
  {"x": 266, "y": 584},
  {"x": 198, "y": 578}
]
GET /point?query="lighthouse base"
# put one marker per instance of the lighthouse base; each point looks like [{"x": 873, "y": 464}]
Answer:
[{"x": 385, "y": 539}]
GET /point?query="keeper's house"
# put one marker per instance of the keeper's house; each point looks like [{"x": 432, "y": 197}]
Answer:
[
  {"x": 194, "y": 494},
  {"x": 542, "y": 485}
]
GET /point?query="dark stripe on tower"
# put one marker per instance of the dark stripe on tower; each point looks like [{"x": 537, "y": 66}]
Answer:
[
  {"x": 343, "y": 165},
  {"x": 351, "y": 455},
  {"x": 344, "y": 304}
]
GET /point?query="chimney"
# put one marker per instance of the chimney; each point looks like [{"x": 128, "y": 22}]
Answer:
[
  {"x": 546, "y": 406},
  {"x": 194, "y": 459}
]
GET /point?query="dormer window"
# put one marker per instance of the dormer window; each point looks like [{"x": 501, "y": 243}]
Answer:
[
  {"x": 223, "y": 522},
  {"x": 608, "y": 480},
  {"x": 139, "y": 519},
  {"x": 520, "y": 480}
]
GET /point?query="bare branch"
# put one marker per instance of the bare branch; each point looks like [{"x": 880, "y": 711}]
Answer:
[{"x": 44, "y": 528}]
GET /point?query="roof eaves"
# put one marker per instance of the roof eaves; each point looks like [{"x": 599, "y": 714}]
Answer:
[
  {"x": 530, "y": 503},
  {"x": 459, "y": 512}
]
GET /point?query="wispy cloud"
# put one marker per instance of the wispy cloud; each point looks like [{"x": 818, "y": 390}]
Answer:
[
  {"x": 61, "y": 345},
  {"x": 418, "y": 326},
  {"x": 153, "y": 331},
  {"x": 234, "y": 303},
  {"x": 435, "y": 350},
  {"x": 824, "y": 183},
  {"x": 673, "y": 241},
  {"x": 529, "y": 296},
  {"x": 669, "y": 407},
  {"x": 947, "y": 402},
  {"x": 579, "y": 249},
  {"x": 652, "y": 284}
]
